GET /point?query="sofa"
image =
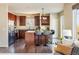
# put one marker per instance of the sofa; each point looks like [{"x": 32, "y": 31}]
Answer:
[{"x": 66, "y": 50}]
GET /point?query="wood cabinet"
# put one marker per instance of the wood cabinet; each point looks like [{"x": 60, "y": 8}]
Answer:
[
  {"x": 11, "y": 34},
  {"x": 22, "y": 20},
  {"x": 29, "y": 39},
  {"x": 22, "y": 34},
  {"x": 37, "y": 21},
  {"x": 12, "y": 17},
  {"x": 45, "y": 20}
]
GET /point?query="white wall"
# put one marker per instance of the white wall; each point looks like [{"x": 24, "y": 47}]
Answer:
[
  {"x": 54, "y": 24},
  {"x": 3, "y": 25},
  {"x": 68, "y": 16}
]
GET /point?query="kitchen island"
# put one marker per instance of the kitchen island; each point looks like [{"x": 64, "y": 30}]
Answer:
[{"x": 31, "y": 38}]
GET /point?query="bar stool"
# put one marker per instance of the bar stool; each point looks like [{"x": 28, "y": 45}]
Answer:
[
  {"x": 38, "y": 38},
  {"x": 46, "y": 40},
  {"x": 46, "y": 34}
]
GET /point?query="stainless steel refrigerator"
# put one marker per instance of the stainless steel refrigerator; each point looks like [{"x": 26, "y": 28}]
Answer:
[{"x": 11, "y": 32}]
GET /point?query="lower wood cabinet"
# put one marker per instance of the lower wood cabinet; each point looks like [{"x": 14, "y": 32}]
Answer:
[
  {"x": 22, "y": 34},
  {"x": 29, "y": 39},
  {"x": 32, "y": 39}
]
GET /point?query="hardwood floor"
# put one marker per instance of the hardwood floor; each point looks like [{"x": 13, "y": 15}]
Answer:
[{"x": 19, "y": 47}]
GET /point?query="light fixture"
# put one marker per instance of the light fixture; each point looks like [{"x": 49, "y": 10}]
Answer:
[
  {"x": 42, "y": 14},
  {"x": 42, "y": 11}
]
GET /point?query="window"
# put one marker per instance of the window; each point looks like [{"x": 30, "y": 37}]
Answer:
[
  {"x": 76, "y": 24},
  {"x": 30, "y": 23}
]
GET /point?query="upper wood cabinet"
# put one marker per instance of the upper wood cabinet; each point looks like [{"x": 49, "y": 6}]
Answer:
[
  {"x": 11, "y": 16},
  {"x": 45, "y": 20},
  {"x": 22, "y": 20},
  {"x": 37, "y": 21}
]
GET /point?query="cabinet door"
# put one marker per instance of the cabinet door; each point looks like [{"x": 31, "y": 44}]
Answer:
[
  {"x": 12, "y": 17},
  {"x": 15, "y": 20},
  {"x": 22, "y": 20},
  {"x": 29, "y": 39},
  {"x": 45, "y": 20},
  {"x": 37, "y": 21},
  {"x": 21, "y": 34}
]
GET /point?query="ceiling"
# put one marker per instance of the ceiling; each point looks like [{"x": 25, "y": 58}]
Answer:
[{"x": 32, "y": 8}]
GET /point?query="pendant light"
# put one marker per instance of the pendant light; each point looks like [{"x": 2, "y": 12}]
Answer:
[{"x": 42, "y": 15}]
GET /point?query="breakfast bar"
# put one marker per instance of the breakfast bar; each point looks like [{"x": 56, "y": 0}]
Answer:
[{"x": 31, "y": 38}]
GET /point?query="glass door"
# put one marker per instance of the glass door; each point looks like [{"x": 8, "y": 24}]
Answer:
[{"x": 76, "y": 26}]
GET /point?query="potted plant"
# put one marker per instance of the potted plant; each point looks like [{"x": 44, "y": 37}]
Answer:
[
  {"x": 61, "y": 39},
  {"x": 49, "y": 43}
]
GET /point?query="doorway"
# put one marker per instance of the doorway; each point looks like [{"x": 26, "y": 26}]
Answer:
[{"x": 75, "y": 13}]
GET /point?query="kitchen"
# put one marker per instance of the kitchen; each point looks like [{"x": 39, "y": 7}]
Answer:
[
  {"x": 26, "y": 29},
  {"x": 34, "y": 28}
]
